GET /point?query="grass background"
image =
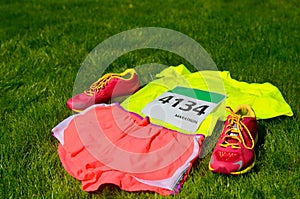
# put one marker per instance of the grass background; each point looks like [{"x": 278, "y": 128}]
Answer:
[{"x": 43, "y": 44}]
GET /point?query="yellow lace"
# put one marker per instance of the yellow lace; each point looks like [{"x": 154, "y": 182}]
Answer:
[
  {"x": 235, "y": 125},
  {"x": 100, "y": 83}
]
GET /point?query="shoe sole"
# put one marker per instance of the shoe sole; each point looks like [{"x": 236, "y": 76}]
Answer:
[
  {"x": 246, "y": 169},
  {"x": 77, "y": 111}
]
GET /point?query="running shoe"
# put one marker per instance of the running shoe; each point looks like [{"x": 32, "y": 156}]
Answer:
[
  {"x": 108, "y": 86},
  {"x": 234, "y": 152}
]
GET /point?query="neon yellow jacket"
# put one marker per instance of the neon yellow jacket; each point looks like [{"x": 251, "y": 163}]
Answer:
[{"x": 265, "y": 99}]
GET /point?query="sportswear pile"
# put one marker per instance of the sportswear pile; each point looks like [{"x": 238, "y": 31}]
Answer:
[{"x": 107, "y": 144}]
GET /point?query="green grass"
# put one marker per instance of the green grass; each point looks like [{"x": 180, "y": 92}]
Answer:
[{"x": 43, "y": 44}]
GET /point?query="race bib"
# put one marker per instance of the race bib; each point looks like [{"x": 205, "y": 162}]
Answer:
[{"x": 184, "y": 108}]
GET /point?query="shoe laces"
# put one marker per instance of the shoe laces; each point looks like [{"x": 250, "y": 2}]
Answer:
[
  {"x": 234, "y": 128},
  {"x": 100, "y": 83}
]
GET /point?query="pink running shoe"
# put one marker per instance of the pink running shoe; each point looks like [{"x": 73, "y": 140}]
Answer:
[
  {"x": 234, "y": 151},
  {"x": 108, "y": 86}
]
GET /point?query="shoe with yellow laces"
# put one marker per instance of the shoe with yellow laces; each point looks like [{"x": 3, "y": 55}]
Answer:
[
  {"x": 108, "y": 86},
  {"x": 234, "y": 152}
]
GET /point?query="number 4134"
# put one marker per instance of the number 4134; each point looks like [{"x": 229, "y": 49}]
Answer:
[{"x": 184, "y": 105}]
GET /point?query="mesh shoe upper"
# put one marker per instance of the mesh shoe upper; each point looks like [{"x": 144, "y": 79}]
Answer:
[
  {"x": 234, "y": 151},
  {"x": 108, "y": 86}
]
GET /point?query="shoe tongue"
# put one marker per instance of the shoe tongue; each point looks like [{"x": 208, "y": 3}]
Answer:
[
  {"x": 234, "y": 126},
  {"x": 232, "y": 135}
]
